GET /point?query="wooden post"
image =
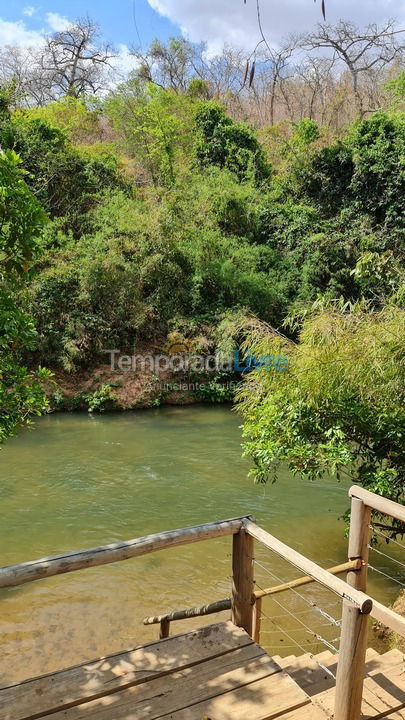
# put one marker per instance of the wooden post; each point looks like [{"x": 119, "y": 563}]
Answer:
[
  {"x": 257, "y": 619},
  {"x": 164, "y": 628},
  {"x": 353, "y": 638},
  {"x": 242, "y": 581}
]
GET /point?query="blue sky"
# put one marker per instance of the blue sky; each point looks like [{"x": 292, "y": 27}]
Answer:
[
  {"x": 115, "y": 17},
  {"x": 23, "y": 22}
]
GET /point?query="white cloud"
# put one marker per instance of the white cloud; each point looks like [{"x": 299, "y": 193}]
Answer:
[
  {"x": 57, "y": 22},
  {"x": 29, "y": 11},
  {"x": 234, "y": 22},
  {"x": 122, "y": 65},
  {"x": 16, "y": 33}
]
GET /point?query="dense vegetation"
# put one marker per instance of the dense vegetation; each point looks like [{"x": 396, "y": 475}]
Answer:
[{"x": 153, "y": 211}]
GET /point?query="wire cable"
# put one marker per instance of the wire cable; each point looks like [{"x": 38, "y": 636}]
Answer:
[
  {"x": 300, "y": 647},
  {"x": 387, "y": 556},
  {"x": 388, "y": 539},
  {"x": 385, "y": 575},
  {"x": 311, "y": 603}
]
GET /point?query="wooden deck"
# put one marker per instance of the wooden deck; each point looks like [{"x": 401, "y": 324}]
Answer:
[{"x": 216, "y": 673}]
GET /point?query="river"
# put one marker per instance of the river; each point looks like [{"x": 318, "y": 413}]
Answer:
[{"x": 78, "y": 481}]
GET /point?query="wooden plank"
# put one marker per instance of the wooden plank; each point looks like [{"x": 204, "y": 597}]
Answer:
[
  {"x": 242, "y": 580},
  {"x": 339, "y": 587},
  {"x": 308, "y": 712},
  {"x": 261, "y": 700},
  {"x": 336, "y": 570},
  {"x": 306, "y": 672},
  {"x": 178, "y": 690},
  {"x": 88, "y": 681},
  {"x": 57, "y": 565},
  {"x": 379, "y": 503}
]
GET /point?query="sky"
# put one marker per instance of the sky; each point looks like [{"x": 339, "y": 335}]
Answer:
[{"x": 128, "y": 23}]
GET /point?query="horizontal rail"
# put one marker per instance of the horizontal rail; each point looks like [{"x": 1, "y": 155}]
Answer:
[
  {"x": 14, "y": 575},
  {"x": 325, "y": 578},
  {"x": 209, "y": 609},
  {"x": 222, "y": 605},
  {"x": 336, "y": 570},
  {"x": 379, "y": 503},
  {"x": 388, "y": 617}
]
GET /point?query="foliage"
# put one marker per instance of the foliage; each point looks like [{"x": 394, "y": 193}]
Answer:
[
  {"x": 78, "y": 119},
  {"x": 66, "y": 182},
  {"x": 396, "y": 90},
  {"x": 226, "y": 144},
  {"x": 338, "y": 405},
  {"x": 21, "y": 217},
  {"x": 154, "y": 125},
  {"x": 97, "y": 400},
  {"x": 139, "y": 272},
  {"x": 218, "y": 389},
  {"x": 364, "y": 171}
]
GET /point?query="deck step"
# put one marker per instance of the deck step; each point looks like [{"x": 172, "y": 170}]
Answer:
[
  {"x": 383, "y": 695},
  {"x": 307, "y": 673}
]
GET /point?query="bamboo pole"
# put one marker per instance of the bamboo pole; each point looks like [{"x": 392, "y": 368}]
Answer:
[
  {"x": 209, "y": 609},
  {"x": 222, "y": 605},
  {"x": 339, "y": 587},
  {"x": 306, "y": 580},
  {"x": 353, "y": 638}
]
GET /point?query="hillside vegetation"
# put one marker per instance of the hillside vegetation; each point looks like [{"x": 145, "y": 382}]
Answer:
[{"x": 152, "y": 211}]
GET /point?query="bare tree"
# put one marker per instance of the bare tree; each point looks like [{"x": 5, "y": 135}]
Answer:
[
  {"x": 318, "y": 81},
  {"x": 168, "y": 66},
  {"x": 360, "y": 51},
  {"x": 279, "y": 61},
  {"x": 73, "y": 61}
]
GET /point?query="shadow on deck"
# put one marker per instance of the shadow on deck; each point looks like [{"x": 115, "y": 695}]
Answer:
[{"x": 216, "y": 673}]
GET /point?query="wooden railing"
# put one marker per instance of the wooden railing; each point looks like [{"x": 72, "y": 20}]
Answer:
[
  {"x": 353, "y": 638},
  {"x": 245, "y": 601}
]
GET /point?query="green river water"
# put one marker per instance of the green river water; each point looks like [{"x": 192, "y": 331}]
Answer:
[{"x": 78, "y": 481}]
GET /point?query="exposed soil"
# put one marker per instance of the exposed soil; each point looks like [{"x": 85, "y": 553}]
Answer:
[
  {"x": 128, "y": 389},
  {"x": 384, "y": 633}
]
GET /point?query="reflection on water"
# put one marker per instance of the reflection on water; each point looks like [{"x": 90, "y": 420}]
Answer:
[{"x": 79, "y": 481}]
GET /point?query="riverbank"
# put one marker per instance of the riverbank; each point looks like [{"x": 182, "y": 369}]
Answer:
[{"x": 108, "y": 387}]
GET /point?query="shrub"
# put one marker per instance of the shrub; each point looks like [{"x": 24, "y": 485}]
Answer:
[{"x": 226, "y": 144}]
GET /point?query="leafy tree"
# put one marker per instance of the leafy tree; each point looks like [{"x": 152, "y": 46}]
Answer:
[
  {"x": 335, "y": 405},
  {"x": 21, "y": 219},
  {"x": 396, "y": 90},
  {"x": 155, "y": 126},
  {"x": 21, "y": 215},
  {"x": 227, "y": 144},
  {"x": 66, "y": 181},
  {"x": 363, "y": 171}
]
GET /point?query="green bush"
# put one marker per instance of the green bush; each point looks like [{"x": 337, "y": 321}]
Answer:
[
  {"x": 226, "y": 144},
  {"x": 66, "y": 181},
  {"x": 364, "y": 171}
]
